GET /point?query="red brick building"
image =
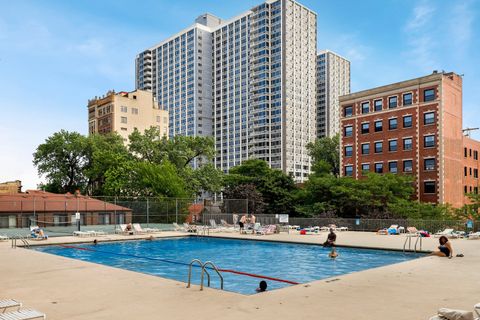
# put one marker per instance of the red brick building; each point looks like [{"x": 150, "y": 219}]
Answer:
[{"x": 412, "y": 127}]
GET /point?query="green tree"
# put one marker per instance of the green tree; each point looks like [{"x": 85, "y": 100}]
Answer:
[
  {"x": 325, "y": 154},
  {"x": 62, "y": 159},
  {"x": 244, "y": 191}
]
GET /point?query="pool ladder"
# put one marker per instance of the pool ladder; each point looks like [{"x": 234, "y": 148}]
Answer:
[
  {"x": 204, "y": 271},
  {"x": 418, "y": 243},
  {"x": 22, "y": 239}
]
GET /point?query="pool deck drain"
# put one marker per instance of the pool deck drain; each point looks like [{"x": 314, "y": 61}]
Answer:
[{"x": 72, "y": 289}]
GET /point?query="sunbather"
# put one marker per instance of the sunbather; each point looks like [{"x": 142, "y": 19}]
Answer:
[
  {"x": 444, "y": 249},
  {"x": 331, "y": 238}
]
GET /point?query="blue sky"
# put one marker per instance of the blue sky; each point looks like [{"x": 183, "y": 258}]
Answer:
[{"x": 55, "y": 55}]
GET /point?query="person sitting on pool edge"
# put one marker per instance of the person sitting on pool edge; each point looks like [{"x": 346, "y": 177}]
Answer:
[
  {"x": 331, "y": 238},
  {"x": 444, "y": 249},
  {"x": 262, "y": 286},
  {"x": 333, "y": 254}
]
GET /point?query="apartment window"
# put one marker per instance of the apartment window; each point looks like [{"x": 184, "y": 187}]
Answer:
[
  {"x": 392, "y": 124},
  {"x": 123, "y": 109},
  {"x": 123, "y": 129},
  {"x": 348, "y": 151},
  {"x": 378, "y": 147},
  {"x": 392, "y": 102},
  {"x": 429, "y": 95},
  {"x": 465, "y": 189},
  {"x": 377, "y": 105},
  {"x": 348, "y": 131},
  {"x": 407, "y": 121},
  {"x": 429, "y": 187},
  {"x": 378, "y": 167},
  {"x": 429, "y": 164},
  {"x": 365, "y": 127},
  {"x": 348, "y": 111},
  {"x": 392, "y": 145},
  {"x": 407, "y": 99},
  {"x": 465, "y": 171},
  {"x": 475, "y": 155},
  {"x": 407, "y": 166},
  {"x": 429, "y": 118},
  {"x": 465, "y": 152},
  {"x": 429, "y": 141},
  {"x": 378, "y": 126},
  {"x": 475, "y": 190},
  {"x": 392, "y": 167},
  {"x": 470, "y": 150},
  {"x": 348, "y": 171},
  {"x": 134, "y": 110},
  {"x": 366, "y": 148},
  {"x": 365, "y": 107},
  {"x": 475, "y": 173},
  {"x": 365, "y": 168},
  {"x": 123, "y": 119},
  {"x": 158, "y": 118}
]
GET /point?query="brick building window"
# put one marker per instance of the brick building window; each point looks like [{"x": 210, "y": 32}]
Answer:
[
  {"x": 465, "y": 171},
  {"x": 429, "y": 187},
  {"x": 429, "y": 118},
  {"x": 366, "y": 148},
  {"x": 365, "y": 107},
  {"x": 392, "y": 167},
  {"x": 407, "y": 165},
  {"x": 348, "y": 171},
  {"x": 378, "y": 126},
  {"x": 123, "y": 119},
  {"x": 475, "y": 190},
  {"x": 407, "y": 99},
  {"x": 465, "y": 189},
  {"x": 348, "y": 151},
  {"x": 407, "y": 121},
  {"x": 392, "y": 145},
  {"x": 378, "y": 147},
  {"x": 348, "y": 131},
  {"x": 378, "y": 105},
  {"x": 475, "y": 155},
  {"x": 378, "y": 167},
  {"x": 392, "y": 124},
  {"x": 392, "y": 102},
  {"x": 365, "y": 168},
  {"x": 348, "y": 111},
  {"x": 475, "y": 173},
  {"x": 429, "y": 95},
  {"x": 470, "y": 171},
  {"x": 365, "y": 128},
  {"x": 407, "y": 144},
  {"x": 429, "y": 164},
  {"x": 429, "y": 141},
  {"x": 465, "y": 152}
]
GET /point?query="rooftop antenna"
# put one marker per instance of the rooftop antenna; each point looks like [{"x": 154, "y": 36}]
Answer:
[{"x": 466, "y": 131}]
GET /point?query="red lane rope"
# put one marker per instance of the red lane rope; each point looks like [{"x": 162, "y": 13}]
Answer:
[
  {"x": 258, "y": 276},
  {"x": 222, "y": 270}
]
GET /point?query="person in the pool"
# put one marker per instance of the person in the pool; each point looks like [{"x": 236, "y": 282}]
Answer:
[
  {"x": 444, "y": 249},
  {"x": 331, "y": 238},
  {"x": 333, "y": 254},
  {"x": 262, "y": 286}
]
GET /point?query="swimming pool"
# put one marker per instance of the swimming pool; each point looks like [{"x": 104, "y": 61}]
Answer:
[{"x": 169, "y": 258}]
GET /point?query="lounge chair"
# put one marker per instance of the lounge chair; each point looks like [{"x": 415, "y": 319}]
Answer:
[
  {"x": 9, "y": 303},
  {"x": 270, "y": 229},
  {"x": 189, "y": 228},
  {"x": 24, "y": 314},
  {"x": 412, "y": 231},
  {"x": 138, "y": 229},
  {"x": 123, "y": 230},
  {"x": 177, "y": 227},
  {"x": 393, "y": 229},
  {"x": 341, "y": 229},
  {"x": 3, "y": 238},
  {"x": 82, "y": 234},
  {"x": 474, "y": 236},
  {"x": 446, "y": 233}
]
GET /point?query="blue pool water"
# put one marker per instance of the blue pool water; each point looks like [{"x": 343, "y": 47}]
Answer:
[{"x": 170, "y": 257}]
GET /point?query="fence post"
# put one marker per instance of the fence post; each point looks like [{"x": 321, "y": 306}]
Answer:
[
  {"x": 115, "y": 212},
  {"x": 176, "y": 210},
  {"x": 148, "y": 214}
]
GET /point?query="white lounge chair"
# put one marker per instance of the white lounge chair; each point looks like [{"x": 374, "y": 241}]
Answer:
[
  {"x": 9, "y": 303},
  {"x": 81, "y": 234},
  {"x": 446, "y": 233},
  {"x": 265, "y": 230},
  {"x": 138, "y": 228},
  {"x": 189, "y": 228},
  {"x": 474, "y": 236},
  {"x": 24, "y": 314},
  {"x": 177, "y": 227},
  {"x": 123, "y": 230},
  {"x": 3, "y": 238}
]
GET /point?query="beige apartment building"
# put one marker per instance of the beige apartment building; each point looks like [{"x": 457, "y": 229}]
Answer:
[{"x": 123, "y": 112}]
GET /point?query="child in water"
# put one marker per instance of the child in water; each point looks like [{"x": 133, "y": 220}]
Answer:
[{"x": 333, "y": 254}]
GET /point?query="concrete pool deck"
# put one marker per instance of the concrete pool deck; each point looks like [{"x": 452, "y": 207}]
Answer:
[{"x": 71, "y": 289}]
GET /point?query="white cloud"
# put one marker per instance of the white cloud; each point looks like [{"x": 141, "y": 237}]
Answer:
[{"x": 422, "y": 14}]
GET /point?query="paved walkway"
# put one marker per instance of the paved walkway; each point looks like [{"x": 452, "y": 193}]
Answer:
[{"x": 70, "y": 289}]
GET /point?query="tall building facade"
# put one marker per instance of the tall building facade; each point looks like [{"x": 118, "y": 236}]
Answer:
[
  {"x": 333, "y": 81},
  {"x": 124, "y": 112},
  {"x": 412, "y": 127},
  {"x": 251, "y": 84}
]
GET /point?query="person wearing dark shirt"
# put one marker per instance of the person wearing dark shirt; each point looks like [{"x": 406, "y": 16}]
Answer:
[{"x": 331, "y": 238}]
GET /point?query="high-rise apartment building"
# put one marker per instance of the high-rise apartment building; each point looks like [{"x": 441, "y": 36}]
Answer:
[
  {"x": 333, "y": 81},
  {"x": 250, "y": 82},
  {"x": 412, "y": 127},
  {"x": 125, "y": 111}
]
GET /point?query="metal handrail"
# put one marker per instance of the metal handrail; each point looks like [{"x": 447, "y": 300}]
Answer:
[
  {"x": 420, "y": 238},
  {"x": 409, "y": 240},
  {"x": 190, "y": 272},
  {"x": 21, "y": 238},
  {"x": 216, "y": 270}
]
